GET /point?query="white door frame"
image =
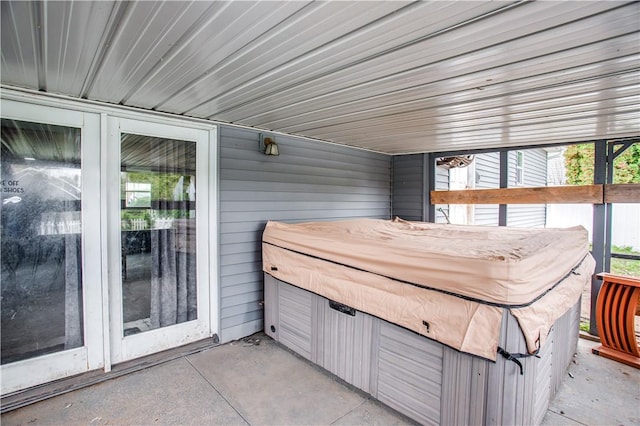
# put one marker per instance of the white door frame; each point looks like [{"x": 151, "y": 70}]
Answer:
[
  {"x": 34, "y": 371},
  {"x": 94, "y": 118},
  {"x": 148, "y": 342}
]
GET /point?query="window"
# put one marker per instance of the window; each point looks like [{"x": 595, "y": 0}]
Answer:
[
  {"x": 519, "y": 168},
  {"x": 138, "y": 194}
]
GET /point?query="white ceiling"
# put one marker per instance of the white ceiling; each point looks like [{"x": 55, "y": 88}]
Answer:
[{"x": 390, "y": 76}]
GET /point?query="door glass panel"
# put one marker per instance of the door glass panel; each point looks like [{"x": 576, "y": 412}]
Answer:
[
  {"x": 158, "y": 232},
  {"x": 41, "y": 277}
]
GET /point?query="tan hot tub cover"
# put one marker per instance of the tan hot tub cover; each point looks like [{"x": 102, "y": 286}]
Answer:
[{"x": 447, "y": 282}]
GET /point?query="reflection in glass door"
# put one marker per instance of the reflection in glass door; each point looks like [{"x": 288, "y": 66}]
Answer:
[
  {"x": 41, "y": 277},
  {"x": 158, "y": 232}
]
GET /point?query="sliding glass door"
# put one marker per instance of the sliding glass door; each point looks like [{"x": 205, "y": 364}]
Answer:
[
  {"x": 107, "y": 239},
  {"x": 51, "y": 310}
]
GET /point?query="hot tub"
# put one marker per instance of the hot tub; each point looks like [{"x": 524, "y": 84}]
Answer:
[{"x": 446, "y": 324}]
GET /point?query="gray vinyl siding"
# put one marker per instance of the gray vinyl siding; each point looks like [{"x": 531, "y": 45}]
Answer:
[
  {"x": 487, "y": 170},
  {"x": 526, "y": 215},
  {"x": 487, "y": 177},
  {"x": 535, "y": 175},
  {"x": 309, "y": 181},
  {"x": 442, "y": 179},
  {"x": 409, "y": 194}
]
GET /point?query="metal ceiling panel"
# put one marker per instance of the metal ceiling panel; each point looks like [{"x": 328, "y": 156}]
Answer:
[
  {"x": 395, "y": 77},
  {"x": 474, "y": 43},
  {"x": 364, "y": 78},
  {"x": 138, "y": 43},
  {"x": 72, "y": 48},
  {"x": 377, "y": 38},
  {"x": 435, "y": 129},
  {"x": 473, "y": 100},
  {"x": 485, "y": 87},
  {"x": 278, "y": 49},
  {"x": 439, "y": 98},
  {"x": 20, "y": 44},
  {"x": 511, "y": 137},
  {"x": 501, "y": 116},
  {"x": 523, "y": 75},
  {"x": 222, "y": 35}
]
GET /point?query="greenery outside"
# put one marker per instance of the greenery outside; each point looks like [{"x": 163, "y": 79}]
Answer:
[
  {"x": 584, "y": 326},
  {"x": 625, "y": 266},
  {"x": 579, "y": 163},
  {"x": 162, "y": 186},
  {"x": 579, "y": 166},
  {"x": 579, "y": 160}
]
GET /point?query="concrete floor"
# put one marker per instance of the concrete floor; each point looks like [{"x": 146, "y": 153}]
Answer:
[{"x": 256, "y": 381}]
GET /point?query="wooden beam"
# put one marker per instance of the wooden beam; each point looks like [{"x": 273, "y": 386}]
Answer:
[
  {"x": 622, "y": 193},
  {"x": 583, "y": 194}
]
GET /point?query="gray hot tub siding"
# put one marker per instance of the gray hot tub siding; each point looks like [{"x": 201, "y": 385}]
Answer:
[{"x": 419, "y": 377}]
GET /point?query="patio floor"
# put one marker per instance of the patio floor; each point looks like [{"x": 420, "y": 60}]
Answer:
[{"x": 256, "y": 381}]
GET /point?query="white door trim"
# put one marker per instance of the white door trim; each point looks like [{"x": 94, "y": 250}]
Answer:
[
  {"x": 100, "y": 266},
  {"x": 137, "y": 345}
]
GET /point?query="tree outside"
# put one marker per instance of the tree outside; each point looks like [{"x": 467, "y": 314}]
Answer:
[
  {"x": 579, "y": 165},
  {"x": 579, "y": 161}
]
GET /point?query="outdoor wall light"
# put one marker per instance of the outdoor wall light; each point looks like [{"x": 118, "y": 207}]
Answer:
[{"x": 268, "y": 146}]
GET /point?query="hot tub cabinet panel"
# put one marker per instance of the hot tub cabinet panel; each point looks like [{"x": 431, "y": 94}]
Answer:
[
  {"x": 409, "y": 373},
  {"x": 343, "y": 344},
  {"x": 419, "y": 377}
]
